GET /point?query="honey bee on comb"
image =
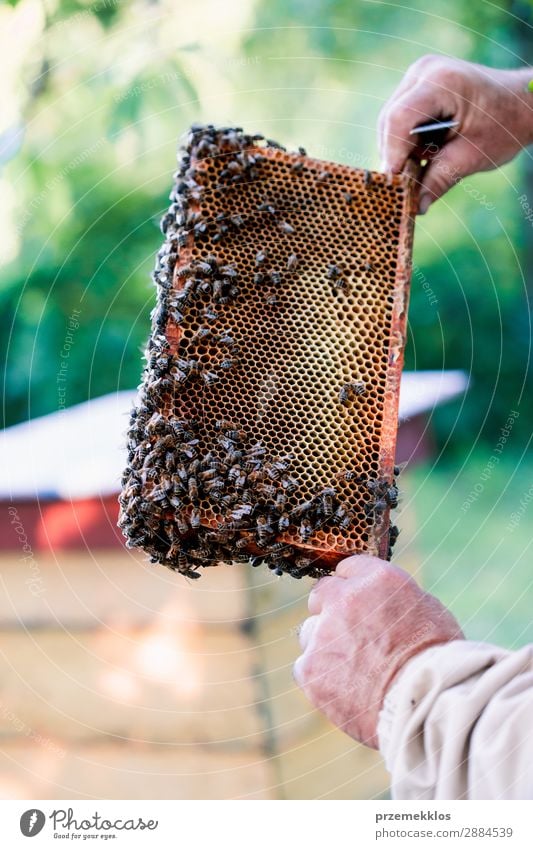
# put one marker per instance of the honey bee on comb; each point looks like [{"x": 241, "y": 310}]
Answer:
[{"x": 251, "y": 439}]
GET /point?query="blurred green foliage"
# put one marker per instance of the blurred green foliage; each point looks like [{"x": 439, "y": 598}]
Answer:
[
  {"x": 470, "y": 543},
  {"x": 107, "y": 89}
]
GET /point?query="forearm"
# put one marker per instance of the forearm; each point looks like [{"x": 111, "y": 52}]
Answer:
[{"x": 456, "y": 724}]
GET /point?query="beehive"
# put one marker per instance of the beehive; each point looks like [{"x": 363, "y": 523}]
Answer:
[{"x": 266, "y": 422}]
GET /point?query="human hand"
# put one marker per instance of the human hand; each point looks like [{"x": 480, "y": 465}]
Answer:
[
  {"x": 366, "y": 621},
  {"x": 493, "y": 107}
]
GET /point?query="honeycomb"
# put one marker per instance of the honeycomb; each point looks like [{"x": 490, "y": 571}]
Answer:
[{"x": 265, "y": 425}]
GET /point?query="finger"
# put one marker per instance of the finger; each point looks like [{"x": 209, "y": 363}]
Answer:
[
  {"x": 307, "y": 630},
  {"x": 406, "y": 84},
  {"x": 324, "y": 591},
  {"x": 443, "y": 172},
  {"x": 418, "y": 104},
  {"x": 299, "y": 670},
  {"x": 359, "y": 566}
]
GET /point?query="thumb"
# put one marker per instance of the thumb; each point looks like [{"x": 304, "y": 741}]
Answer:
[{"x": 443, "y": 172}]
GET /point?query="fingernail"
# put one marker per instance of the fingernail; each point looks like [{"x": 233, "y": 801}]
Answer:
[{"x": 424, "y": 203}]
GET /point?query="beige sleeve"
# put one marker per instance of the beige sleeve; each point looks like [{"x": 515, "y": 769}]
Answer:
[{"x": 457, "y": 723}]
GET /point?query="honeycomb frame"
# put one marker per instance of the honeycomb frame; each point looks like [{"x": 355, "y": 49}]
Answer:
[{"x": 284, "y": 281}]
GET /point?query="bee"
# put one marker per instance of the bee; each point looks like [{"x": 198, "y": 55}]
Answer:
[
  {"x": 394, "y": 533},
  {"x": 182, "y": 524},
  {"x": 234, "y": 166},
  {"x": 340, "y": 514},
  {"x": 210, "y": 313},
  {"x": 166, "y": 221},
  {"x": 326, "y": 501},
  {"x": 240, "y": 481},
  {"x": 259, "y": 278},
  {"x": 277, "y": 468},
  {"x": 243, "y": 511},
  {"x": 391, "y": 496},
  {"x": 264, "y": 532},
  {"x": 368, "y": 266},
  {"x": 226, "y": 341},
  {"x": 185, "y": 271},
  {"x": 324, "y": 176},
  {"x": 256, "y": 560},
  {"x": 302, "y": 151},
  {"x": 219, "y": 290},
  {"x": 256, "y": 450},
  {"x": 348, "y": 197},
  {"x": 275, "y": 278},
  {"x": 272, "y": 300},
  {"x": 156, "y": 424},
  {"x": 266, "y": 207},
  {"x": 292, "y": 262},
  {"x": 195, "y": 518},
  {"x": 267, "y": 490},
  {"x": 203, "y": 554},
  {"x": 281, "y": 501},
  {"x": 209, "y": 377},
  {"x": 201, "y": 335},
  {"x": 367, "y": 178},
  {"x": 347, "y": 520},
  {"x": 204, "y": 268},
  {"x": 348, "y": 475},
  {"x": 182, "y": 428},
  {"x": 302, "y": 509},
  {"x": 214, "y": 486},
  {"x": 334, "y": 271},
  {"x": 233, "y": 456},
  {"x": 225, "y": 501},
  {"x": 188, "y": 573},
  {"x": 285, "y": 227},
  {"x": 192, "y": 486},
  {"x": 261, "y": 257},
  {"x": 275, "y": 144},
  {"x": 297, "y": 167},
  {"x": 242, "y": 543},
  {"x": 229, "y": 363},
  {"x": 283, "y": 522},
  {"x": 229, "y": 272},
  {"x": 224, "y": 424},
  {"x": 380, "y": 506},
  {"x": 306, "y": 529},
  {"x": 346, "y": 393},
  {"x": 235, "y": 435},
  {"x": 194, "y": 467},
  {"x": 205, "y": 287}
]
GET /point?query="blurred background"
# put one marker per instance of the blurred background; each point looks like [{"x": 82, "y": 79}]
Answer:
[{"x": 118, "y": 680}]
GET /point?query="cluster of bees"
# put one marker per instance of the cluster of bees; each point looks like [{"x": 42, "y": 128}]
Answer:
[{"x": 174, "y": 471}]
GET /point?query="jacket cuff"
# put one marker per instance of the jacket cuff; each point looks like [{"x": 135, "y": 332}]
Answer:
[{"x": 403, "y": 681}]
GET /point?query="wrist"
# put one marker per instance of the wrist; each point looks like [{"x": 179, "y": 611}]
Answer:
[{"x": 392, "y": 668}]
